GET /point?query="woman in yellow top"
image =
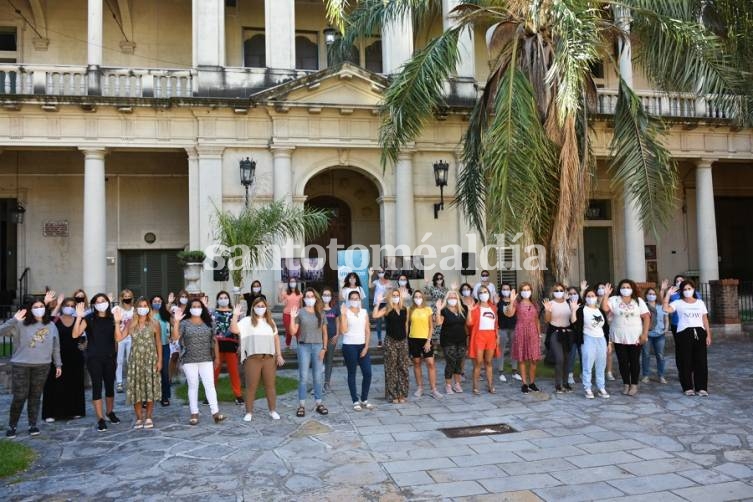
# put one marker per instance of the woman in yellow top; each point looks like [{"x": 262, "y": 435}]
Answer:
[{"x": 420, "y": 328}]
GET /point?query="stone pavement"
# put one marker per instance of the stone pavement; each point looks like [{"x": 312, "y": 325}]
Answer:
[{"x": 659, "y": 445}]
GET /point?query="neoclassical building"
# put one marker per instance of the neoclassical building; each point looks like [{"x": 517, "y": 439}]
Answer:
[{"x": 123, "y": 122}]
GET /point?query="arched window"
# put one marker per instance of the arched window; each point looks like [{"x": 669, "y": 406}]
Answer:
[
  {"x": 306, "y": 54},
  {"x": 254, "y": 52},
  {"x": 373, "y": 56}
]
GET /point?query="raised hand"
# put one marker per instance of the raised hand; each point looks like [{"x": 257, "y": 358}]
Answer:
[
  {"x": 61, "y": 297},
  {"x": 237, "y": 311},
  {"x": 110, "y": 297},
  {"x": 547, "y": 305},
  {"x": 205, "y": 301},
  {"x": 379, "y": 299},
  {"x": 573, "y": 306},
  {"x": 294, "y": 312},
  {"x": 454, "y": 286},
  {"x": 80, "y": 310},
  {"x": 48, "y": 297},
  {"x": 608, "y": 289},
  {"x": 117, "y": 314},
  {"x": 20, "y": 315},
  {"x": 513, "y": 295},
  {"x": 665, "y": 284},
  {"x": 179, "y": 315},
  {"x": 672, "y": 290},
  {"x": 583, "y": 285},
  {"x": 439, "y": 304}
]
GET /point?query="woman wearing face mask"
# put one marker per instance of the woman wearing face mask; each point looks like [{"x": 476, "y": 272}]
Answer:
[
  {"x": 451, "y": 317},
  {"x": 419, "y": 344},
  {"x": 260, "y": 354},
  {"x": 655, "y": 338},
  {"x": 506, "y": 330},
  {"x": 576, "y": 351},
  {"x": 590, "y": 320},
  {"x": 629, "y": 330},
  {"x": 610, "y": 347},
  {"x": 406, "y": 291},
  {"x": 484, "y": 341},
  {"x": 382, "y": 288},
  {"x": 351, "y": 283},
  {"x": 331, "y": 313},
  {"x": 252, "y": 295},
  {"x": 395, "y": 348},
  {"x": 435, "y": 290},
  {"x": 466, "y": 295},
  {"x": 35, "y": 344},
  {"x": 101, "y": 351},
  {"x": 692, "y": 339},
  {"x": 228, "y": 343},
  {"x": 310, "y": 328},
  {"x": 557, "y": 316},
  {"x": 124, "y": 346},
  {"x": 488, "y": 283},
  {"x": 526, "y": 343},
  {"x": 80, "y": 296},
  {"x": 290, "y": 298},
  {"x": 201, "y": 355},
  {"x": 64, "y": 396},
  {"x": 162, "y": 316},
  {"x": 354, "y": 325},
  {"x": 144, "y": 364}
]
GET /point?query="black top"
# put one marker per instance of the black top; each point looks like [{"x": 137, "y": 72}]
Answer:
[
  {"x": 453, "y": 328},
  {"x": 100, "y": 336},
  {"x": 504, "y": 321},
  {"x": 250, "y": 299},
  {"x": 396, "y": 324},
  {"x": 69, "y": 352}
]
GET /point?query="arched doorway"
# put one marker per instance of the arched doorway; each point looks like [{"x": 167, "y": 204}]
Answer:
[{"x": 353, "y": 199}]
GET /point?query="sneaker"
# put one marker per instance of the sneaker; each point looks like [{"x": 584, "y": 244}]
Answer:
[
  {"x": 379, "y": 343},
  {"x": 534, "y": 387},
  {"x": 49, "y": 420},
  {"x": 567, "y": 387},
  {"x": 603, "y": 393},
  {"x": 662, "y": 380},
  {"x": 148, "y": 424},
  {"x": 703, "y": 393},
  {"x": 368, "y": 406},
  {"x": 119, "y": 388},
  {"x": 516, "y": 376},
  {"x": 645, "y": 379},
  {"x": 248, "y": 417},
  {"x": 448, "y": 389},
  {"x": 419, "y": 392},
  {"x": 457, "y": 388},
  {"x": 570, "y": 379},
  {"x": 113, "y": 418},
  {"x": 239, "y": 401},
  {"x": 502, "y": 378},
  {"x": 625, "y": 390},
  {"x": 33, "y": 430},
  {"x": 274, "y": 415},
  {"x": 138, "y": 425},
  {"x": 435, "y": 394},
  {"x": 357, "y": 406},
  {"x": 101, "y": 425},
  {"x": 610, "y": 376},
  {"x": 326, "y": 387},
  {"x": 10, "y": 433},
  {"x": 589, "y": 394},
  {"x": 633, "y": 390},
  {"x": 558, "y": 389},
  {"x": 165, "y": 402},
  {"x": 205, "y": 401}
]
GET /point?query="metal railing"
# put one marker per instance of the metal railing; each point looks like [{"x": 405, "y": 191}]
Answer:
[
  {"x": 23, "y": 285},
  {"x": 745, "y": 299}
]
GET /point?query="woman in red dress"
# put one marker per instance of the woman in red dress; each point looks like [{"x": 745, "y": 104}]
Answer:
[{"x": 526, "y": 344}]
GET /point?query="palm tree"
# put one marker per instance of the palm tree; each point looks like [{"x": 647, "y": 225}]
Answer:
[
  {"x": 251, "y": 234},
  {"x": 527, "y": 160}
]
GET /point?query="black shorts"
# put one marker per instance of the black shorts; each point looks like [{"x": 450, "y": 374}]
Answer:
[{"x": 416, "y": 348}]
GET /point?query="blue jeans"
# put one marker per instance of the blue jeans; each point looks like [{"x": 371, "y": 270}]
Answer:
[
  {"x": 165, "y": 373},
  {"x": 594, "y": 352},
  {"x": 657, "y": 342},
  {"x": 573, "y": 350},
  {"x": 378, "y": 325},
  {"x": 353, "y": 359},
  {"x": 308, "y": 356}
]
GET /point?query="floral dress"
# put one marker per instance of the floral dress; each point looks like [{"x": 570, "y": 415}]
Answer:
[
  {"x": 144, "y": 382},
  {"x": 526, "y": 345},
  {"x": 435, "y": 293}
]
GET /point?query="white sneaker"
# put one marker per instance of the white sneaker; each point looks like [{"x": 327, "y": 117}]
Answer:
[
  {"x": 367, "y": 405},
  {"x": 589, "y": 394},
  {"x": 448, "y": 389},
  {"x": 603, "y": 393},
  {"x": 645, "y": 379},
  {"x": 274, "y": 415},
  {"x": 570, "y": 379},
  {"x": 436, "y": 394},
  {"x": 49, "y": 420},
  {"x": 248, "y": 417},
  {"x": 419, "y": 392},
  {"x": 610, "y": 376},
  {"x": 502, "y": 378},
  {"x": 662, "y": 380},
  {"x": 516, "y": 376}
]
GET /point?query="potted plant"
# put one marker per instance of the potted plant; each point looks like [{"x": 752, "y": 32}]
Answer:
[{"x": 193, "y": 262}]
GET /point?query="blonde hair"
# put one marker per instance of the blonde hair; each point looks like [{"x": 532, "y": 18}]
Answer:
[
  {"x": 458, "y": 307},
  {"x": 125, "y": 292},
  {"x": 397, "y": 307}
]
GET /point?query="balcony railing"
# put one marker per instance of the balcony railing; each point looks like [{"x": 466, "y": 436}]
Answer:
[{"x": 669, "y": 105}]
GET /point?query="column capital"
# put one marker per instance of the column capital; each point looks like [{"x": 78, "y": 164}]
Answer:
[
  {"x": 281, "y": 151},
  {"x": 405, "y": 155},
  {"x": 93, "y": 152},
  {"x": 208, "y": 151},
  {"x": 704, "y": 163}
]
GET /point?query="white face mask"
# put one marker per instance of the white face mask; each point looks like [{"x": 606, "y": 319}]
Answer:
[
  {"x": 69, "y": 311},
  {"x": 484, "y": 278},
  {"x": 559, "y": 294},
  {"x": 626, "y": 292},
  {"x": 183, "y": 300},
  {"x": 196, "y": 312},
  {"x": 574, "y": 298},
  {"x": 591, "y": 301},
  {"x": 38, "y": 311},
  {"x": 452, "y": 302},
  {"x": 651, "y": 298},
  {"x": 223, "y": 302},
  {"x": 326, "y": 298},
  {"x": 395, "y": 300},
  {"x": 600, "y": 292},
  {"x": 505, "y": 293},
  {"x": 310, "y": 302},
  {"x": 256, "y": 291},
  {"x": 484, "y": 297},
  {"x": 354, "y": 303},
  {"x": 101, "y": 307},
  {"x": 380, "y": 275},
  {"x": 418, "y": 301},
  {"x": 260, "y": 311},
  {"x": 688, "y": 293},
  {"x": 466, "y": 292},
  {"x": 293, "y": 285},
  {"x": 402, "y": 283},
  {"x": 142, "y": 311},
  {"x": 525, "y": 294}
]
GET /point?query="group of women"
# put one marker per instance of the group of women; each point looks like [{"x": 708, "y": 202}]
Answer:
[{"x": 56, "y": 338}]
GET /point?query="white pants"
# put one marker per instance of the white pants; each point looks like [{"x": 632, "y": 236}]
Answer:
[
  {"x": 124, "y": 352},
  {"x": 205, "y": 372}
]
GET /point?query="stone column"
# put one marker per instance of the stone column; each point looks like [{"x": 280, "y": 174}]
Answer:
[
  {"x": 194, "y": 207},
  {"x": 708, "y": 253},
  {"x": 282, "y": 173},
  {"x": 208, "y": 25},
  {"x": 467, "y": 65},
  {"x": 724, "y": 305},
  {"x": 94, "y": 46},
  {"x": 405, "y": 204},
  {"x": 279, "y": 33},
  {"x": 397, "y": 44},
  {"x": 209, "y": 167},
  {"x": 95, "y": 222},
  {"x": 635, "y": 257}
]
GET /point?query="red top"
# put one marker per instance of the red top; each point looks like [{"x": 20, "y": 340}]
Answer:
[{"x": 475, "y": 317}]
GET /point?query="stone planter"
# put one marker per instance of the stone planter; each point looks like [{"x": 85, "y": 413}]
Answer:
[{"x": 192, "y": 276}]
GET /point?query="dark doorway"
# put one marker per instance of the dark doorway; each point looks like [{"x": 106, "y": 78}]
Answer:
[
  {"x": 734, "y": 238},
  {"x": 597, "y": 259},
  {"x": 150, "y": 272},
  {"x": 8, "y": 257},
  {"x": 339, "y": 230}
]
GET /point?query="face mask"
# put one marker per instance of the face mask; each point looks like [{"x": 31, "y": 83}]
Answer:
[
  {"x": 102, "y": 307},
  {"x": 688, "y": 293},
  {"x": 80, "y": 299},
  {"x": 402, "y": 283},
  {"x": 310, "y": 302},
  {"x": 326, "y": 298},
  {"x": 678, "y": 282},
  {"x": 466, "y": 292},
  {"x": 183, "y": 300},
  {"x": 484, "y": 278},
  {"x": 256, "y": 291},
  {"x": 559, "y": 294},
  {"x": 452, "y": 302},
  {"x": 574, "y": 298},
  {"x": 651, "y": 298},
  {"x": 380, "y": 275},
  {"x": 525, "y": 294},
  {"x": 354, "y": 303},
  {"x": 626, "y": 292},
  {"x": 293, "y": 285},
  {"x": 591, "y": 301},
  {"x": 69, "y": 311},
  {"x": 505, "y": 293},
  {"x": 600, "y": 292},
  {"x": 223, "y": 302},
  {"x": 38, "y": 312},
  {"x": 196, "y": 312},
  {"x": 127, "y": 301},
  {"x": 440, "y": 281},
  {"x": 352, "y": 281},
  {"x": 395, "y": 300},
  {"x": 156, "y": 306},
  {"x": 260, "y": 311},
  {"x": 484, "y": 297},
  {"x": 142, "y": 311},
  {"x": 418, "y": 301}
]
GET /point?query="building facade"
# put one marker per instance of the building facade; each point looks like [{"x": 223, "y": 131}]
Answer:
[{"x": 122, "y": 125}]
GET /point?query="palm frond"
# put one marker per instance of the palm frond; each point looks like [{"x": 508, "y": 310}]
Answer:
[{"x": 336, "y": 11}]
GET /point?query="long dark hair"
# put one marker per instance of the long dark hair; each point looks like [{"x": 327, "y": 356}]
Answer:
[
  {"x": 346, "y": 282},
  {"x": 29, "y": 318},
  {"x": 106, "y": 315},
  {"x": 205, "y": 315},
  {"x": 434, "y": 279},
  {"x": 230, "y": 301},
  {"x": 163, "y": 313},
  {"x": 407, "y": 283},
  {"x": 636, "y": 292},
  {"x": 318, "y": 306}
]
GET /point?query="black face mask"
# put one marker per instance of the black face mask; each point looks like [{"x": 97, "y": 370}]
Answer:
[
  {"x": 127, "y": 301},
  {"x": 80, "y": 299}
]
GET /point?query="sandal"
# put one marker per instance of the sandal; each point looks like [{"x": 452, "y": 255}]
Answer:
[
  {"x": 194, "y": 419},
  {"x": 218, "y": 417},
  {"x": 300, "y": 412},
  {"x": 322, "y": 410},
  {"x": 476, "y": 392},
  {"x": 492, "y": 390},
  {"x": 357, "y": 406},
  {"x": 148, "y": 424},
  {"x": 139, "y": 424}
]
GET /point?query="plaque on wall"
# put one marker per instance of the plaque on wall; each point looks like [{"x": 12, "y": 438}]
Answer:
[{"x": 55, "y": 228}]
